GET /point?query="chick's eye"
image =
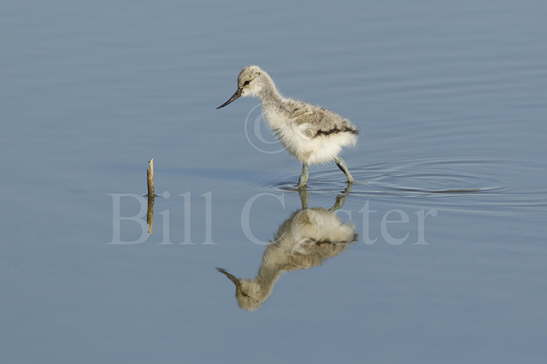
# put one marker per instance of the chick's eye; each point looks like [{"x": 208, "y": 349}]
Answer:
[{"x": 246, "y": 83}]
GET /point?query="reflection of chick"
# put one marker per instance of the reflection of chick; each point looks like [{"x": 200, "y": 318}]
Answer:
[{"x": 304, "y": 240}]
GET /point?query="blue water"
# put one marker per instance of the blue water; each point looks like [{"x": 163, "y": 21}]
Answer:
[{"x": 450, "y": 100}]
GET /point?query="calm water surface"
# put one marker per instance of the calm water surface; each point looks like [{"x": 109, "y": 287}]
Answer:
[{"x": 450, "y": 100}]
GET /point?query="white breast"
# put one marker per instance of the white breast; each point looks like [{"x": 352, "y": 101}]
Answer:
[{"x": 299, "y": 142}]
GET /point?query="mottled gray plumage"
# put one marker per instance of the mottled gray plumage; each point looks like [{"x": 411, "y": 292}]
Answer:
[{"x": 318, "y": 120}]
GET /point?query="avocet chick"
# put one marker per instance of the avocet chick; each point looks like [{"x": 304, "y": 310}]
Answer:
[{"x": 311, "y": 133}]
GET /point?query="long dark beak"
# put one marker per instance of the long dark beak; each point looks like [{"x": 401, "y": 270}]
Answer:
[
  {"x": 234, "y": 97},
  {"x": 231, "y": 277}
]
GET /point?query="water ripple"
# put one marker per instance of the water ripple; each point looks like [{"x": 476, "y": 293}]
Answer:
[{"x": 461, "y": 184}]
